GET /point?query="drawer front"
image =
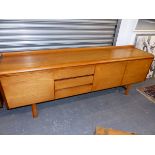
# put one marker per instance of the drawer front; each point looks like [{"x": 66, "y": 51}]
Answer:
[
  {"x": 136, "y": 71},
  {"x": 67, "y": 83},
  {"x": 25, "y": 89},
  {"x": 73, "y": 72},
  {"x": 72, "y": 91}
]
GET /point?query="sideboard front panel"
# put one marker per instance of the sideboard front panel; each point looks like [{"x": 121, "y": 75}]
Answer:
[
  {"x": 28, "y": 88},
  {"x": 136, "y": 71},
  {"x": 108, "y": 75}
]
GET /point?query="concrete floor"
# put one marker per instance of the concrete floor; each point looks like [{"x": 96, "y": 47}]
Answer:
[{"x": 81, "y": 114}]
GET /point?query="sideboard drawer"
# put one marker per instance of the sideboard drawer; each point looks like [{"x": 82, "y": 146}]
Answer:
[
  {"x": 73, "y": 82},
  {"x": 73, "y": 72},
  {"x": 28, "y": 88},
  {"x": 72, "y": 91}
]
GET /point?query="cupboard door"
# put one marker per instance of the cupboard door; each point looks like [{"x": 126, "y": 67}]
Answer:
[
  {"x": 108, "y": 75},
  {"x": 136, "y": 71},
  {"x": 28, "y": 88}
]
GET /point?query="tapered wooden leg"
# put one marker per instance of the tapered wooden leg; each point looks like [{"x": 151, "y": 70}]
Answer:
[
  {"x": 1, "y": 101},
  {"x": 1, "y": 104},
  {"x": 127, "y": 88},
  {"x": 34, "y": 110}
]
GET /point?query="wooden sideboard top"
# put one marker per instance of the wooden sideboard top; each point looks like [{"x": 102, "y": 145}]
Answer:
[{"x": 50, "y": 59}]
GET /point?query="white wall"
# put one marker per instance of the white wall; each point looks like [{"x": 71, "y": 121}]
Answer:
[{"x": 126, "y": 35}]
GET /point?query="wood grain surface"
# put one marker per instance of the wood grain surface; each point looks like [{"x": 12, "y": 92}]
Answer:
[
  {"x": 28, "y": 88},
  {"x": 49, "y": 59},
  {"x": 73, "y": 82},
  {"x": 108, "y": 75},
  {"x": 72, "y": 91}
]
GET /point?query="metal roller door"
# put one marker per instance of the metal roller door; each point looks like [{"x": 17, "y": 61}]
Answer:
[{"x": 20, "y": 35}]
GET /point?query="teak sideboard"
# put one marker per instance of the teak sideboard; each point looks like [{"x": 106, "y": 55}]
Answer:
[{"x": 31, "y": 77}]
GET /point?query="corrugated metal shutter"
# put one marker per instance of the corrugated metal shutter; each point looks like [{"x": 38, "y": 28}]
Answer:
[{"x": 18, "y": 35}]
